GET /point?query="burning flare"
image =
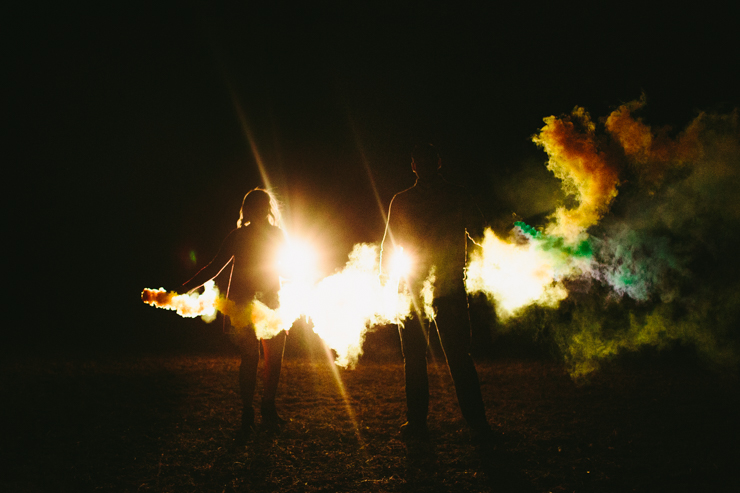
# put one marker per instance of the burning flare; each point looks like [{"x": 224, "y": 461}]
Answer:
[{"x": 342, "y": 306}]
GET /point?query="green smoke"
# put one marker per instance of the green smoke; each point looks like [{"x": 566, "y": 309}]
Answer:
[{"x": 662, "y": 266}]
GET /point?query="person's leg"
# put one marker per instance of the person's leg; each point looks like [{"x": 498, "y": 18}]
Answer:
[
  {"x": 453, "y": 325},
  {"x": 414, "y": 343},
  {"x": 273, "y": 349},
  {"x": 248, "y": 345}
]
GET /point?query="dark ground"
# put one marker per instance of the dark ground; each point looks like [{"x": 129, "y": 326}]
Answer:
[{"x": 165, "y": 423}]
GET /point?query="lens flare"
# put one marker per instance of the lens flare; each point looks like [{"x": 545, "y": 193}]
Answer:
[
  {"x": 345, "y": 305},
  {"x": 401, "y": 263},
  {"x": 297, "y": 261}
]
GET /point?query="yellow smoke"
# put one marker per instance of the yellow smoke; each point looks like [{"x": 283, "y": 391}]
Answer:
[
  {"x": 587, "y": 173},
  {"x": 267, "y": 323},
  {"x": 345, "y": 305},
  {"x": 516, "y": 275},
  {"x": 342, "y": 306},
  {"x": 186, "y": 305}
]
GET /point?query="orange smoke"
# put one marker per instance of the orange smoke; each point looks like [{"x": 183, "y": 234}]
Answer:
[
  {"x": 653, "y": 154},
  {"x": 587, "y": 172}
]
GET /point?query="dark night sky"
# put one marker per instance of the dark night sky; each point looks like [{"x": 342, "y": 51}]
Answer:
[{"x": 128, "y": 150}]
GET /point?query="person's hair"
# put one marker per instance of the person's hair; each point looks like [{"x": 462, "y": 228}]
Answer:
[
  {"x": 426, "y": 159},
  {"x": 256, "y": 200}
]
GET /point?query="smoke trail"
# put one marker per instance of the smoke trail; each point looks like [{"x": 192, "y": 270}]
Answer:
[
  {"x": 342, "y": 306},
  {"x": 186, "y": 305},
  {"x": 587, "y": 172},
  {"x": 266, "y": 322}
]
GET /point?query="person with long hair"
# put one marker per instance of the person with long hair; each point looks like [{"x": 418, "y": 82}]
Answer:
[{"x": 252, "y": 249}]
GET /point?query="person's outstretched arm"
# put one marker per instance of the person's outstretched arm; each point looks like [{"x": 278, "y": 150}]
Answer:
[{"x": 214, "y": 267}]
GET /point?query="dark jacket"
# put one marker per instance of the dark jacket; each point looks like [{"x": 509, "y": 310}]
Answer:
[{"x": 431, "y": 221}]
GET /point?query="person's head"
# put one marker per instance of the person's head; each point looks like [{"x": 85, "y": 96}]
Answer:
[
  {"x": 258, "y": 206},
  {"x": 425, "y": 161}
]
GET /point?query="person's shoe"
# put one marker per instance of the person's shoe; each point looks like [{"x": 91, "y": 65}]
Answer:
[
  {"x": 271, "y": 420},
  {"x": 414, "y": 431},
  {"x": 482, "y": 435},
  {"x": 243, "y": 435}
]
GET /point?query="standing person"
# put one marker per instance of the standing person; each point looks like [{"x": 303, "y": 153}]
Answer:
[
  {"x": 253, "y": 248},
  {"x": 431, "y": 221}
]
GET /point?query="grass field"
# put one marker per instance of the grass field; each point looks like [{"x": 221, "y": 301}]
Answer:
[{"x": 166, "y": 423}]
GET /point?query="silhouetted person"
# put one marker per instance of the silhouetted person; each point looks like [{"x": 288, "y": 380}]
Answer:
[
  {"x": 431, "y": 221},
  {"x": 253, "y": 248}
]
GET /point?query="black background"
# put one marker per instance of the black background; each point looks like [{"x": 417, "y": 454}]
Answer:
[{"x": 129, "y": 128}]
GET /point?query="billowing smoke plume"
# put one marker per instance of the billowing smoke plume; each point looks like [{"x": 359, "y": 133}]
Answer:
[
  {"x": 652, "y": 235},
  {"x": 345, "y": 305},
  {"x": 588, "y": 173}
]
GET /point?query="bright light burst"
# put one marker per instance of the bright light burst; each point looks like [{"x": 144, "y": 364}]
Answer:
[
  {"x": 518, "y": 274},
  {"x": 401, "y": 263},
  {"x": 344, "y": 305},
  {"x": 297, "y": 261}
]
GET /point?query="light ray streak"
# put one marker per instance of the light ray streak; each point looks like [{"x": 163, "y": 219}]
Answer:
[
  {"x": 248, "y": 133},
  {"x": 342, "y": 391},
  {"x": 368, "y": 170}
]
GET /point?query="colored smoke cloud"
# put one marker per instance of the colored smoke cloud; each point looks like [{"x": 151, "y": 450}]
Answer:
[{"x": 661, "y": 212}]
